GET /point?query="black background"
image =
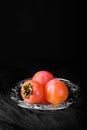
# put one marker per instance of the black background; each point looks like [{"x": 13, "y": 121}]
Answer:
[{"x": 41, "y": 35}]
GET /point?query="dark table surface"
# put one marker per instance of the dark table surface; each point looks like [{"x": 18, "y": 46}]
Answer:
[{"x": 12, "y": 116}]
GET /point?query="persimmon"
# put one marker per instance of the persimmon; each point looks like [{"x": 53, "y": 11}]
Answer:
[
  {"x": 43, "y": 77},
  {"x": 32, "y": 92},
  {"x": 56, "y": 91}
]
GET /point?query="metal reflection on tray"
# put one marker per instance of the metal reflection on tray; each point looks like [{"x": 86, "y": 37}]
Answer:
[{"x": 72, "y": 98}]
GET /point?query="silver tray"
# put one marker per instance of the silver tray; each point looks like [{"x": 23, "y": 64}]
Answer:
[{"x": 74, "y": 92}]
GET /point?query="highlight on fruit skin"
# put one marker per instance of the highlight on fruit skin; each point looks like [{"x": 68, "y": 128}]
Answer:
[
  {"x": 43, "y": 76},
  {"x": 56, "y": 91}
]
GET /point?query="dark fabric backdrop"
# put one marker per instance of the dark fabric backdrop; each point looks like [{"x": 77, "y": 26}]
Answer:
[{"x": 35, "y": 36}]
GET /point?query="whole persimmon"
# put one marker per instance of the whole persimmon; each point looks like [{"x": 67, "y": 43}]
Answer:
[
  {"x": 32, "y": 92},
  {"x": 43, "y": 77},
  {"x": 56, "y": 91}
]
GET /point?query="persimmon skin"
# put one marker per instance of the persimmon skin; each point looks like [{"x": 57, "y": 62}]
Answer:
[
  {"x": 43, "y": 77},
  {"x": 56, "y": 91},
  {"x": 37, "y": 93}
]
